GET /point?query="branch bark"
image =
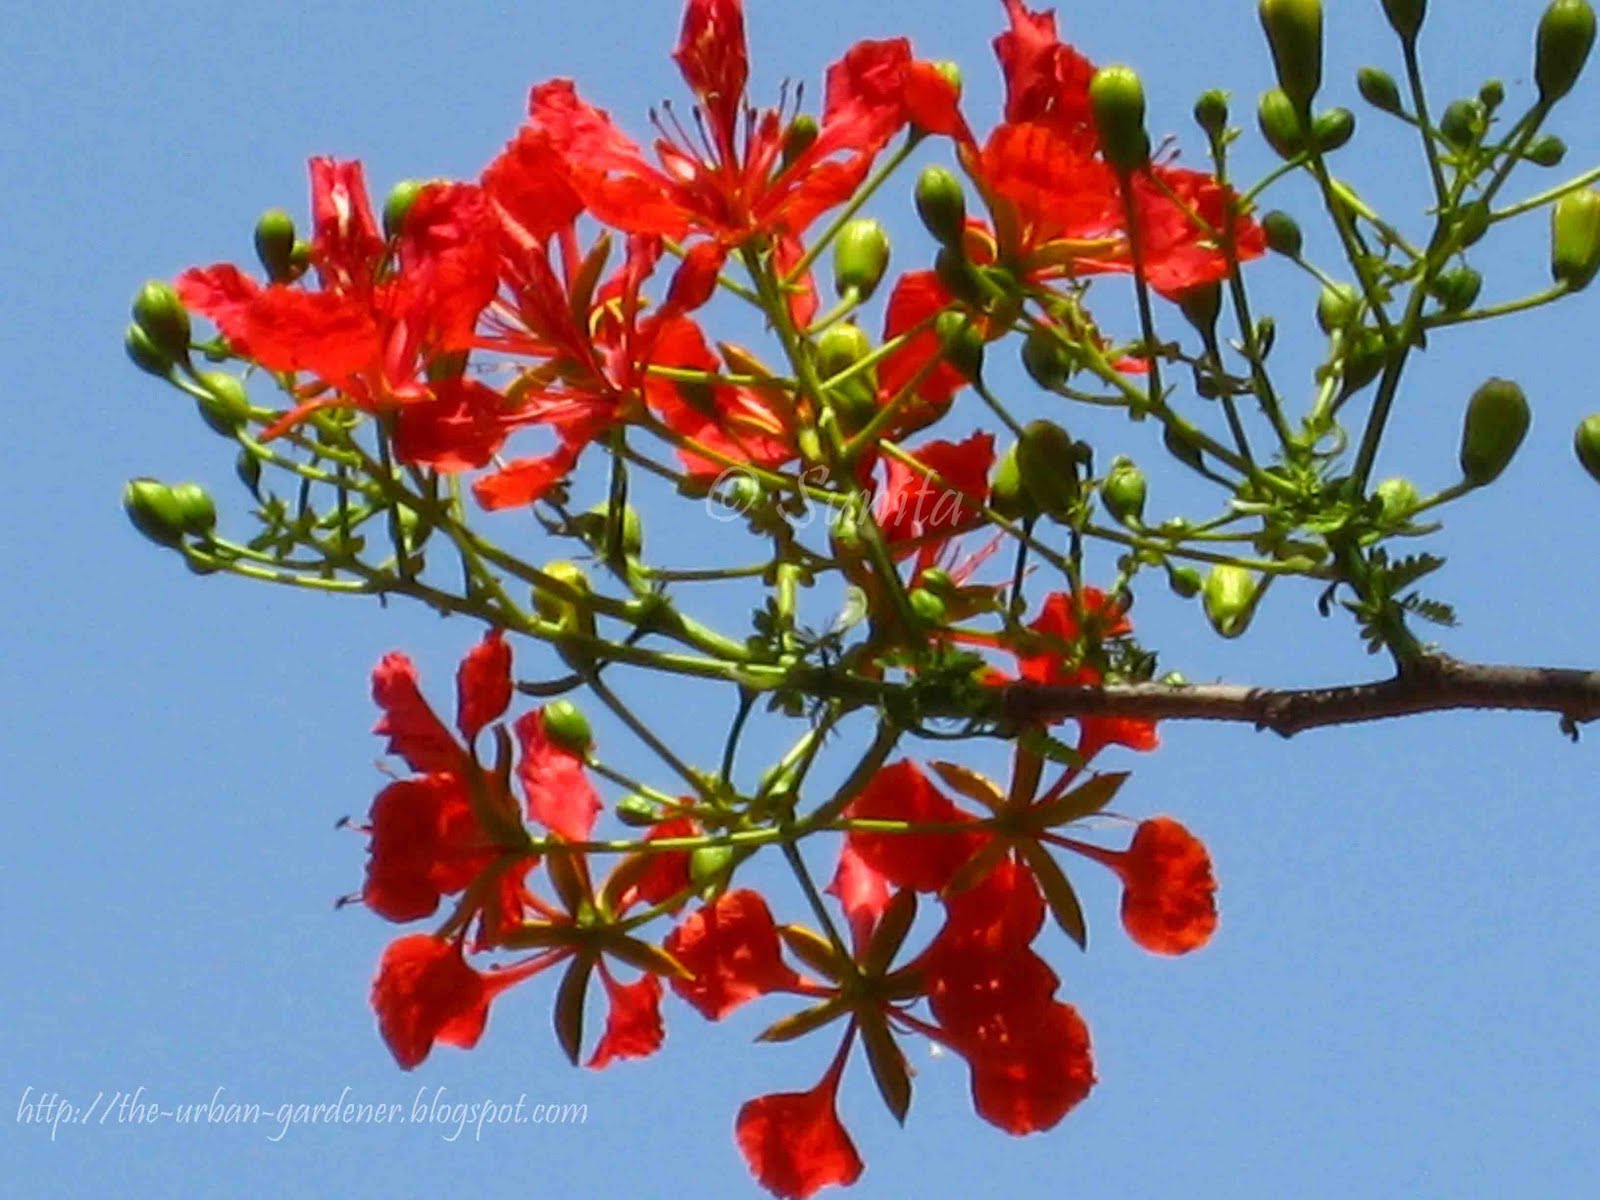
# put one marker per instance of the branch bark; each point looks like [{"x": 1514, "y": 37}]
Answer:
[{"x": 1433, "y": 683}]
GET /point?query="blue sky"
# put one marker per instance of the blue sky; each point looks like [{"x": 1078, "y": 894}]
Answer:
[{"x": 1399, "y": 1000}]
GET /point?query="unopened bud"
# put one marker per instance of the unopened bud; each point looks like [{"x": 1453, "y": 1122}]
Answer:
[
  {"x": 401, "y": 197},
  {"x": 1337, "y": 306},
  {"x": 1282, "y": 233},
  {"x": 1124, "y": 491},
  {"x": 158, "y": 311},
  {"x": 567, "y": 727},
  {"x": 1398, "y": 498},
  {"x": 196, "y": 512},
  {"x": 798, "y": 137},
  {"x": 860, "y": 257},
  {"x": 840, "y": 347},
  {"x": 1201, "y": 305},
  {"x": 1457, "y": 289},
  {"x": 1378, "y": 88},
  {"x": 145, "y": 354},
  {"x": 1463, "y": 123},
  {"x": 1116, "y": 96},
  {"x": 1280, "y": 123},
  {"x": 1046, "y": 358},
  {"x": 1230, "y": 599},
  {"x": 1547, "y": 150},
  {"x": 1294, "y": 31},
  {"x": 1047, "y": 458},
  {"x": 154, "y": 511},
  {"x": 223, "y": 402},
  {"x": 1211, "y": 112},
  {"x": 1497, "y": 420},
  {"x": 1184, "y": 581},
  {"x": 1405, "y": 17},
  {"x": 275, "y": 244},
  {"x": 1007, "y": 496},
  {"x": 1575, "y": 238},
  {"x": 1492, "y": 94},
  {"x": 1586, "y": 444},
  {"x": 1333, "y": 129},
  {"x": 926, "y": 607},
  {"x": 639, "y": 812},
  {"x": 960, "y": 343},
  {"x": 942, "y": 205},
  {"x": 1561, "y": 47}
]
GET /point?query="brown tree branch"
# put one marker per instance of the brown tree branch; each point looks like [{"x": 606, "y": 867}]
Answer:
[{"x": 1433, "y": 683}]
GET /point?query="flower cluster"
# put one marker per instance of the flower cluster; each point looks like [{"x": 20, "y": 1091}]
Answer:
[{"x": 578, "y": 274}]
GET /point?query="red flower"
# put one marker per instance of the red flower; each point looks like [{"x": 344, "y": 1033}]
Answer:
[
  {"x": 1169, "y": 903},
  {"x": 560, "y": 796},
  {"x": 426, "y": 843},
  {"x": 913, "y": 507},
  {"x": 794, "y": 1142},
  {"x": 1063, "y": 663},
  {"x": 731, "y": 185},
  {"x": 730, "y": 949},
  {"x": 425, "y": 993},
  {"x": 924, "y": 862},
  {"x": 633, "y": 1025},
  {"x": 373, "y": 333}
]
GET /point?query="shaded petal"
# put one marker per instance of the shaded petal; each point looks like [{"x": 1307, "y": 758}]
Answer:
[
  {"x": 560, "y": 796},
  {"x": 731, "y": 950},
  {"x": 414, "y": 732}
]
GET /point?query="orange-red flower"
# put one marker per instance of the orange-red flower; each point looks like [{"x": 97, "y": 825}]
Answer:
[
  {"x": 794, "y": 1142},
  {"x": 730, "y": 949},
  {"x": 426, "y": 993},
  {"x": 383, "y": 330},
  {"x": 1169, "y": 903}
]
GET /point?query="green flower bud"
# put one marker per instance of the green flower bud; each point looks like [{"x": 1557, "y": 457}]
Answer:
[
  {"x": 1211, "y": 112},
  {"x": 1497, "y": 420},
  {"x": 1007, "y": 496},
  {"x": 158, "y": 311},
  {"x": 1283, "y": 233},
  {"x": 860, "y": 257},
  {"x": 1184, "y": 581},
  {"x": 573, "y": 615},
  {"x": 1201, "y": 306},
  {"x": 224, "y": 404},
  {"x": 926, "y": 607},
  {"x": 1561, "y": 47},
  {"x": 960, "y": 343},
  {"x": 247, "y": 468},
  {"x": 1333, "y": 129},
  {"x": 1116, "y": 96},
  {"x": 1457, "y": 289},
  {"x": 1337, "y": 306},
  {"x": 1363, "y": 359},
  {"x": 401, "y": 197},
  {"x": 275, "y": 243},
  {"x": 1472, "y": 222},
  {"x": 958, "y": 277},
  {"x": 1405, "y": 17},
  {"x": 145, "y": 354},
  {"x": 1294, "y": 31},
  {"x": 195, "y": 509},
  {"x": 938, "y": 581},
  {"x": 1492, "y": 94},
  {"x": 1463, "y": 123},
  {"x": 1047, "y": 458},
  {"x": 1176, "y": 438},
  {"x": 1046, "y": 358},
  {"x": 1230, "y": 599},
  {"x": 1575, "y": 238},
  {"x": 1586, "y": 444},
  {"x": 1123, "y": 491},
  {"x": 1547, "y": 150},
  {"x": 1399, "y": 498},
  {"x": 594, "y": 522},
  {"x": 709, "y": 867},
  {"x": 299, "y": 259},
  {"x": 567, "y": 727},
  {"x": 638, "y": 812},
  {"x": 798, "y": 137},
  {"x": 942, "y": 205},
  {"x": 1378, "y": 88},
  {"x": 841, "y": 347},
  {"x": 154, "y": 511},
  {"x": 1280, "y": 123}
]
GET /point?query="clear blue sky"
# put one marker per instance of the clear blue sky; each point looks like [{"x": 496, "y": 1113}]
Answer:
[{"x": 1400, "y": 1001}]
